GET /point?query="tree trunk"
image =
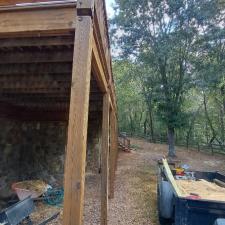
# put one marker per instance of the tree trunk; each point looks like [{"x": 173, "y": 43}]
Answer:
[
  {"x": 151, "y": 126},
  {"x": 171, "y": 142},
  {"x": 145, "y": 127}
]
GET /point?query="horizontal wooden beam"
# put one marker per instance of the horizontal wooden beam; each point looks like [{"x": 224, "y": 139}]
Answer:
[
  {"x": 97, "y": 69},
  {"x": 36, "y": 41},
  {"x": 17, "y": 2},
  {"x": 41, "y": 68},
  {"x": 48, "y": 96},
  {"x": 38, "y": 20},
  {"x": 39, "y": 56}
]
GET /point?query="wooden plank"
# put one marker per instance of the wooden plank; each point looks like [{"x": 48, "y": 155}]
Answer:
[
  {"x": 48, "y": 20},
  {"x": 98, "y": 69},
  {"x": 38, "y": 5},
  {"x": 32, "y": 69},
  {"x": 78, "y": 122},
  {"x": 104, "y": 160},
  {"x": 36, "y": 56},
  {"x": 14, "y": 2},
  {"x": 170, "y": 177},
  {"x": 36, "y": 41},
  {"x": 112, "y": 157}
]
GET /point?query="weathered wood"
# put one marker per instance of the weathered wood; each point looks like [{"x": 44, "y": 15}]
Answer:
[
  {"x": 14, "y": 2},
  {"x": 111, "y": 155},
  {"x": 77, "y": 130},
  {"x": 105, "y": 160},
  {"x": 48, "y": 20},
  {"x": 40, "y": 56},
  {"x": 113, "y": 151},
  {"x": 32, "y": 69},
  {"x": 36, "y": 41},
  {"x": 98, "y": 69}
]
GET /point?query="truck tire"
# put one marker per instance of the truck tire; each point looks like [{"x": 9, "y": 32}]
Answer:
[{"x": 165, "y": 200}]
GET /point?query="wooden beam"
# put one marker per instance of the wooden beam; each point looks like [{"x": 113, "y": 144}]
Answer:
[
  {"x": 105, "y": 159},
  {"x": 32, "y": 69},
  {"x": 113, "y": 153},
  {"x": 36, "y": 41},
  {"x": 52, "y": 19},
  {"x": 14, "y": 2},
  {"x": 98, "y": 69},
  {"x": 40, "y": 56},
  {"x": 77, "y": 129},
  {"x": 170, "y": 178}
]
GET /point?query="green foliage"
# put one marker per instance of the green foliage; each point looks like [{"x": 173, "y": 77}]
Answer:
[{"x": 171, "y": 69}]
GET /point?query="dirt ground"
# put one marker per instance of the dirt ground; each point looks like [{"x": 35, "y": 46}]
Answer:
[{"x": 135, "y": 201}]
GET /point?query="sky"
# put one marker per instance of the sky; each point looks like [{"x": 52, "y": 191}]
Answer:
[{"x": 109, "y": 7}]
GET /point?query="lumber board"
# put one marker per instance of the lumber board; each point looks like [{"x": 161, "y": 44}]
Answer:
[
  {"x": 170, "y": 177},
  {"x": 14, "y": 2},
  {"x": 98, "y": 70},
  {"x": 36, "y": 41},
  {"x": 40, "y": 56},
  {"x": 113, "y": 153},
  {"x": 38, "y": 20},
  {"x": 105, "y": 160},
  {"x": 78, "y": 122},
  {"x": 31, "y": 69}
]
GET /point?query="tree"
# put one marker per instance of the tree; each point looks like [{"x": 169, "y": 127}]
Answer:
[{"x": 164, "y": 34}]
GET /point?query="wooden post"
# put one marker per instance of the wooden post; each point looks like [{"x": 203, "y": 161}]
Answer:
[
  {"x": 113, "y": 153},
  {"x": 105, "y": 158},
  {"x": 78, "y": 122}
]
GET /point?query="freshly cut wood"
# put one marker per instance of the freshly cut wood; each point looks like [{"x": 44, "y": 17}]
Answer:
[{"x": 204, "y": 189}]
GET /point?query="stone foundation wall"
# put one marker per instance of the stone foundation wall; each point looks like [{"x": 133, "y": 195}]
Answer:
[
  {"x": 31, "y": 150},
  {"x": 36, "y": 150}
]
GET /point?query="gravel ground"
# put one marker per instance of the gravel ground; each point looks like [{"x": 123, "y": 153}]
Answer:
[{"x": 135, "y": 201}]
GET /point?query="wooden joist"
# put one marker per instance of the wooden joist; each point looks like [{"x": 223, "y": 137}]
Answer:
[
  {"x": 31, "y": 69},
  {"x": 37, "y": 41},
  {"x": 32, "y": 56},
  {"x": 105, "y": 160},
  {"x": 60, "y": 20}
]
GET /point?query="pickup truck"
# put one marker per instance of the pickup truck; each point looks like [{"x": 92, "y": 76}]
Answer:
[{"x": 175, "y": 209}]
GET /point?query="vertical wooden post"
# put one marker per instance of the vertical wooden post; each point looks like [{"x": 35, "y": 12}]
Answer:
[
  {"x": 78, "y": 122},
  {"x": 112, "y": 154},
  {"x": 105, "y": 158}
]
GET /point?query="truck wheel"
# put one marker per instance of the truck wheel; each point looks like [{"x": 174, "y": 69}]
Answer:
[{"x": 165, "y": 202}]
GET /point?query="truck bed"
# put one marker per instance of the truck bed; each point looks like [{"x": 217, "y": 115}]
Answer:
[{"x": 180, "y": 209}]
